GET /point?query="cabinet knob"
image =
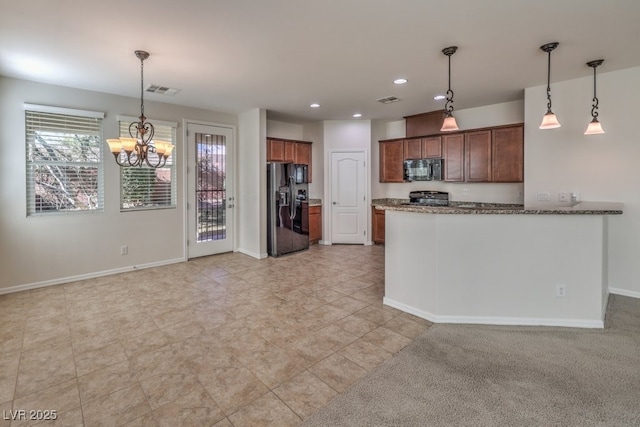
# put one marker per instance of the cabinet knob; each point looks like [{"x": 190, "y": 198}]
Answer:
[{"x": 335, "y": 203}]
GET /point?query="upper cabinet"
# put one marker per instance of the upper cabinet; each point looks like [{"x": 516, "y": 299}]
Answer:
[
  {"x": 453, "y": 154},
  {"x": 423, "y": 148},
  {"x": 479, "y": 155},
  {"x": 391, "y": 158},
  {"x": 424, "y": 124},
  {"x": 290, "y": 151},
  {"x": 477, "y": 147},
  {"x": 507, "y": 154}
]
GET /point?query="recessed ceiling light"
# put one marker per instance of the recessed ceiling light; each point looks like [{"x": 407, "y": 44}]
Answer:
[
  {"x": 356, "y": 115},
  {"x": 439, "y": 97},
  {"x": 314, "y": 105},
  {"x": 400, "y": 81}
]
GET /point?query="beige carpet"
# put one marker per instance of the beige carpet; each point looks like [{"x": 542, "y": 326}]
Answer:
[{"x": 499, "y": 376}]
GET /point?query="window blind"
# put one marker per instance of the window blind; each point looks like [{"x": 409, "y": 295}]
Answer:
[
  {"x": 146, "y": 187},
  {"x": 64, "y": 160}
]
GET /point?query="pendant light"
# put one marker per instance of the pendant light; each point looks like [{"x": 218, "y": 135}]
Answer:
[
  {"x": 449, "y": 123},
  {"x": 136, "y": 150},
  {"x": 549, "y": 121},
  {"x": 594, "y": 126}
]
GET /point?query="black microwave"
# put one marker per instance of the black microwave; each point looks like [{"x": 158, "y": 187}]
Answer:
[{"x": 423, "y": 170}]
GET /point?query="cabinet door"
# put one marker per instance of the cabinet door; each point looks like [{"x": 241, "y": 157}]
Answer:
[
  {"x": 275, "y": 150},
  {"x": 289, "y": 151},
  {"x": 431, "y": 147},
  {"x": 391, "y": 158},
  {"x": 413, "y": 148},
  {"x": 453, "y": 153},
  {"x": 508, "y": 154},
  {"x": 478, "y": 156},
  {"x": 378, "y": 225},
  {"x": 315, "y": 224},
  {"x": 303, "y": 156}
]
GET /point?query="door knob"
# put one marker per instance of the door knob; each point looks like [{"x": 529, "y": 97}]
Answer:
[{"x": 335, "y": 203}]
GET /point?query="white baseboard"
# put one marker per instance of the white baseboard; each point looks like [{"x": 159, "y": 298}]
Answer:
[
  {"x": 624, "y": 292},
  {"x": 487, "y": 320},
  {"x": 70, "y": 279},
  {"x": 252, "y": 254}
]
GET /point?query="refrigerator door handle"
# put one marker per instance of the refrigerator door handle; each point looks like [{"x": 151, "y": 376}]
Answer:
[{"x": 292, "y": 207}]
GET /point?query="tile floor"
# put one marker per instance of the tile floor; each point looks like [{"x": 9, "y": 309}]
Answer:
[{"x": 225, "y": 340}]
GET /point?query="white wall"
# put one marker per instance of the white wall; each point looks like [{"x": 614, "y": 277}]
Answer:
[
  {"x": 314, "y": 132},
  {"x": 284, "y": 130},
  {"x": 252, "y": 176},
  {"x": 472, "y": 118},
  {"x": 45, "y": 250},
  {"x": 599, "y": 167}
]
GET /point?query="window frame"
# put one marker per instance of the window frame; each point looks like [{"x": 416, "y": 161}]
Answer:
[{"x": 33, "y": 114}]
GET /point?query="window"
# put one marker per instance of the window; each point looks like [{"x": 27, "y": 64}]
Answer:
[
  {"x": 64, "y": 160},
  {"x": 146, "y": 187}
]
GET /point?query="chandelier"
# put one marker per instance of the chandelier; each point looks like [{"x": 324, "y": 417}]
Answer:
[{"x": 134, "y": 151}]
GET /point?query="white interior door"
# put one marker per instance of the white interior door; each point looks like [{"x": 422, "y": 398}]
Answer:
[
  {"x": 348, "y": 197},
  {"x": 210, "y": 189}
]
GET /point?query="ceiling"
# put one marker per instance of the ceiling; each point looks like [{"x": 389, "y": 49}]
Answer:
[{"x": 283, "y": 55}]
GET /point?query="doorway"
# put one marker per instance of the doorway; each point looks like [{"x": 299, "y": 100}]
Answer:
[
  {"x": 210, "y": 190},
  {"x": 348, "y": 197}
]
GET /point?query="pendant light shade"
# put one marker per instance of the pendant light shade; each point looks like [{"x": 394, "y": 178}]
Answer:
[
  {"x": 594, "y": 126},
  {"x": 549, "y": 121},
  {"x": 449, "y": 124}
]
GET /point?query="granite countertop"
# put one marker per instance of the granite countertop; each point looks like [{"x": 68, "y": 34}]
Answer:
[
  {"x": 581, "y": 208},
  {"x": 315, "y": 202}
]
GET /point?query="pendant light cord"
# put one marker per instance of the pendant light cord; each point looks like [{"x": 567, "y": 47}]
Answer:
[
  {"x": 142, "y": 90},
  {"x": 549, "y": 82},
  {"x": 594, "y": 108}
]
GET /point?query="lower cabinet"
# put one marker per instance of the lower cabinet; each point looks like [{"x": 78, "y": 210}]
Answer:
[
  {"x": 315, "y": 224},
  {"x": 377, "y": 224}
]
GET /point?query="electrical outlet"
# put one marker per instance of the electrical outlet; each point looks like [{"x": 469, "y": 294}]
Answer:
[
  {"x": 543, "y": 195},
  {"x": 563, "y": 197},
  {"x": 124, "y": 250},
  {"x": 465, "y": 191},
  {"x": 561, "y": 290}
]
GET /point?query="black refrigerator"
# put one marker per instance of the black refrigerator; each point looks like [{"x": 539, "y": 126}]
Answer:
[{"x": 287, "y": 189}]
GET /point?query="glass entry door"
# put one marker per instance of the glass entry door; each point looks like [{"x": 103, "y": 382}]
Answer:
[{"x": 210, "y": 189}]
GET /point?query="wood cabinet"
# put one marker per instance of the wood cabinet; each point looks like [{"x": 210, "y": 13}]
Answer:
[
  {"x": 478, "y": 156},
  {"x": 453, "y": 154},
  {"x": 290, "y": 151},
  {"x": 423, "y": 148},
  {"x": 303, "y": 156},
  {"x": 507, "y": 154},
  {"x": 275, "y": 150},
  {"x": 424, "y": 124},
  {"x": 377, "y": 225},
  {"x": 391, "y": 158},
  {"x": 315, "y": 224},
  {"x": 493, "y": 154}
]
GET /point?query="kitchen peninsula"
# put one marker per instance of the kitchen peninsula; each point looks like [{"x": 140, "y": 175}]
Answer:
[{"x": 498, "y": 264}]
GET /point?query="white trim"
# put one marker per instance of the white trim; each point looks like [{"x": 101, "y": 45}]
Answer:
[
  {"x": 624, "y": 292},
  {"x": 486, "y": 320},
  {"x": 185, "y": 183},
  {"x": 252, "y": 254},
  {"x": 123, "y": 118},
  {"x": 61, "y": 110},
  {"x": 70, "y": 279},
  {"x": 328, "y": 190}
]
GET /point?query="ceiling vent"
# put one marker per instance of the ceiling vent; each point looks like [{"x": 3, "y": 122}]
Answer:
[
  {"x": 162, "y": 90},
  {"x": 388, "y": 100}
]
